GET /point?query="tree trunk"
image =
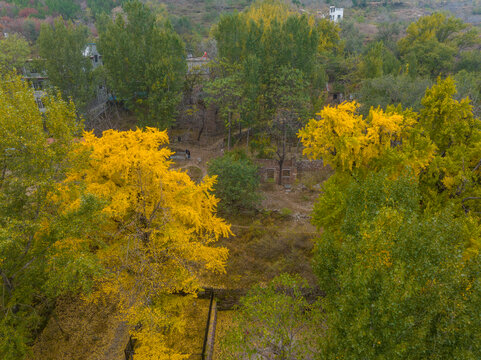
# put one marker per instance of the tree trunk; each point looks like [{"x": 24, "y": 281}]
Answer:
[
  {"x": 201, "y": 130},
  {"x": 7, "y": 283},
  {"x": 247, "y": 143},
  {"x": 228, "y": 139},
  {"x": 283, "y": 156},
  {"x": 281, "y": 165}
]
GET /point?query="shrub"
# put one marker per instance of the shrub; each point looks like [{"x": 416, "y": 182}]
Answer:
[
  {"x": 237, "y": 182},
  {"x": 274, "y": 320},
  {"x": 285, "y": 213}
]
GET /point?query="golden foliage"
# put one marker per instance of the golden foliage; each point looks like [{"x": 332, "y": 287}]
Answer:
[
  {"x": 267, "y": 12},
  {"x": 348, "y": 142},
  {"x": 159, "y": 232}
]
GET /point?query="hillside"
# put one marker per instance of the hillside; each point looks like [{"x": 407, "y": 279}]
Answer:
[{"x": 194, "y": 18}]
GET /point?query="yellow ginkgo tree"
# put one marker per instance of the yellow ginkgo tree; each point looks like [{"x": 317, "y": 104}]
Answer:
[
  {"x": 440, "y": 147},
  {"x": 159, "y": 234},
  {"x": 399, "y": 250},
  {"x": 348, "y": 142}
]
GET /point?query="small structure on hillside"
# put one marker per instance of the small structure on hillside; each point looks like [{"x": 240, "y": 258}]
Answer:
[
  {"x": 98, "y": 105},
  {"x": 198, "y": 65},
  {"x": 37, "y": 79},
  {"x": 336, "y": 14},
  {"x": 334, "y": 93},
  {"x": 291, "y": 170},
  {"x": 34, "y": 72},
  {"x": 269, "y": 171},
  {"x": 92, "y": 53}
]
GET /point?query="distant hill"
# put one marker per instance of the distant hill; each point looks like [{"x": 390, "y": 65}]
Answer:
[{"x": 194, "y": 18}]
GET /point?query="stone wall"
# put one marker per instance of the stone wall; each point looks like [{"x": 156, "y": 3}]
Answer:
[{"x": 291, "y": 169}]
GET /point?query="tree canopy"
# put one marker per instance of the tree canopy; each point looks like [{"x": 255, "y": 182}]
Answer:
[
  {"x": 432, "y": 43},
  {"x": 237, "y": 182},
  {"x": 261, "y": 43},
  {"x": 274, "y": 322},
  {"x": 62, "y": 46},
  {"x": 399, "y": 283},
  {"x": 33, "y": 149},
  {"x": 145, "y": 63},
  {"x": 440, "y": 144},
  {"x": 158, "y": 232},
  {"x": 399, "y": 253},
  {"x": 14, "y": 50},
  {"x": 102, "y": 217}
]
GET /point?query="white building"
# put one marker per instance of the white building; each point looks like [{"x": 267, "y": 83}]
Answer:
[
  {"x": 336, "y": 14},
  {"x": 198, "y": 65}
]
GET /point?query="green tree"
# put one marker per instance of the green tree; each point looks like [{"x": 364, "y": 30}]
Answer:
[
  {"x": 237, "y": 182},
  {"x": 432, "y": 43},
  {"x": 399, "y": 283},
  {"x": 33, "y": 268},
  {"x": 352, "y": 37},
  {"x": 468, "y": 85},
  {"x": 30, "y": 30},
  {"x": 274, "y": 322},
  {"x": 359, "y": 3},
  {"x": 453, "y": 175},
  {"x": 388, "y": 32},
  {"x": 14, "y": 50},
  {"x": 67, "y": 8},
  {"x": 99, "y": 7},
  {"x": 267, "y": 38},
  {"x": 378, "y": 61},
  {"x": 225, "y": 91},
  {"x": 390, "y": 89},
  {"x": 145, "y": 63},
  {"x": 62, "y": 46},
  {"x": 289, "y": 92},
  {"x": 470, "y": 61}
]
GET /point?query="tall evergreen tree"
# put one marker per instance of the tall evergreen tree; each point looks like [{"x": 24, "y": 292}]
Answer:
[
  {"x": 62, "y": 46},
  {"x": 145, "y": 63}
]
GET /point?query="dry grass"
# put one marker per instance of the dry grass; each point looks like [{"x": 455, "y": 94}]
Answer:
[
  {"x": 80, "y": 331},
  {"x": 265, "y": 248}
]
